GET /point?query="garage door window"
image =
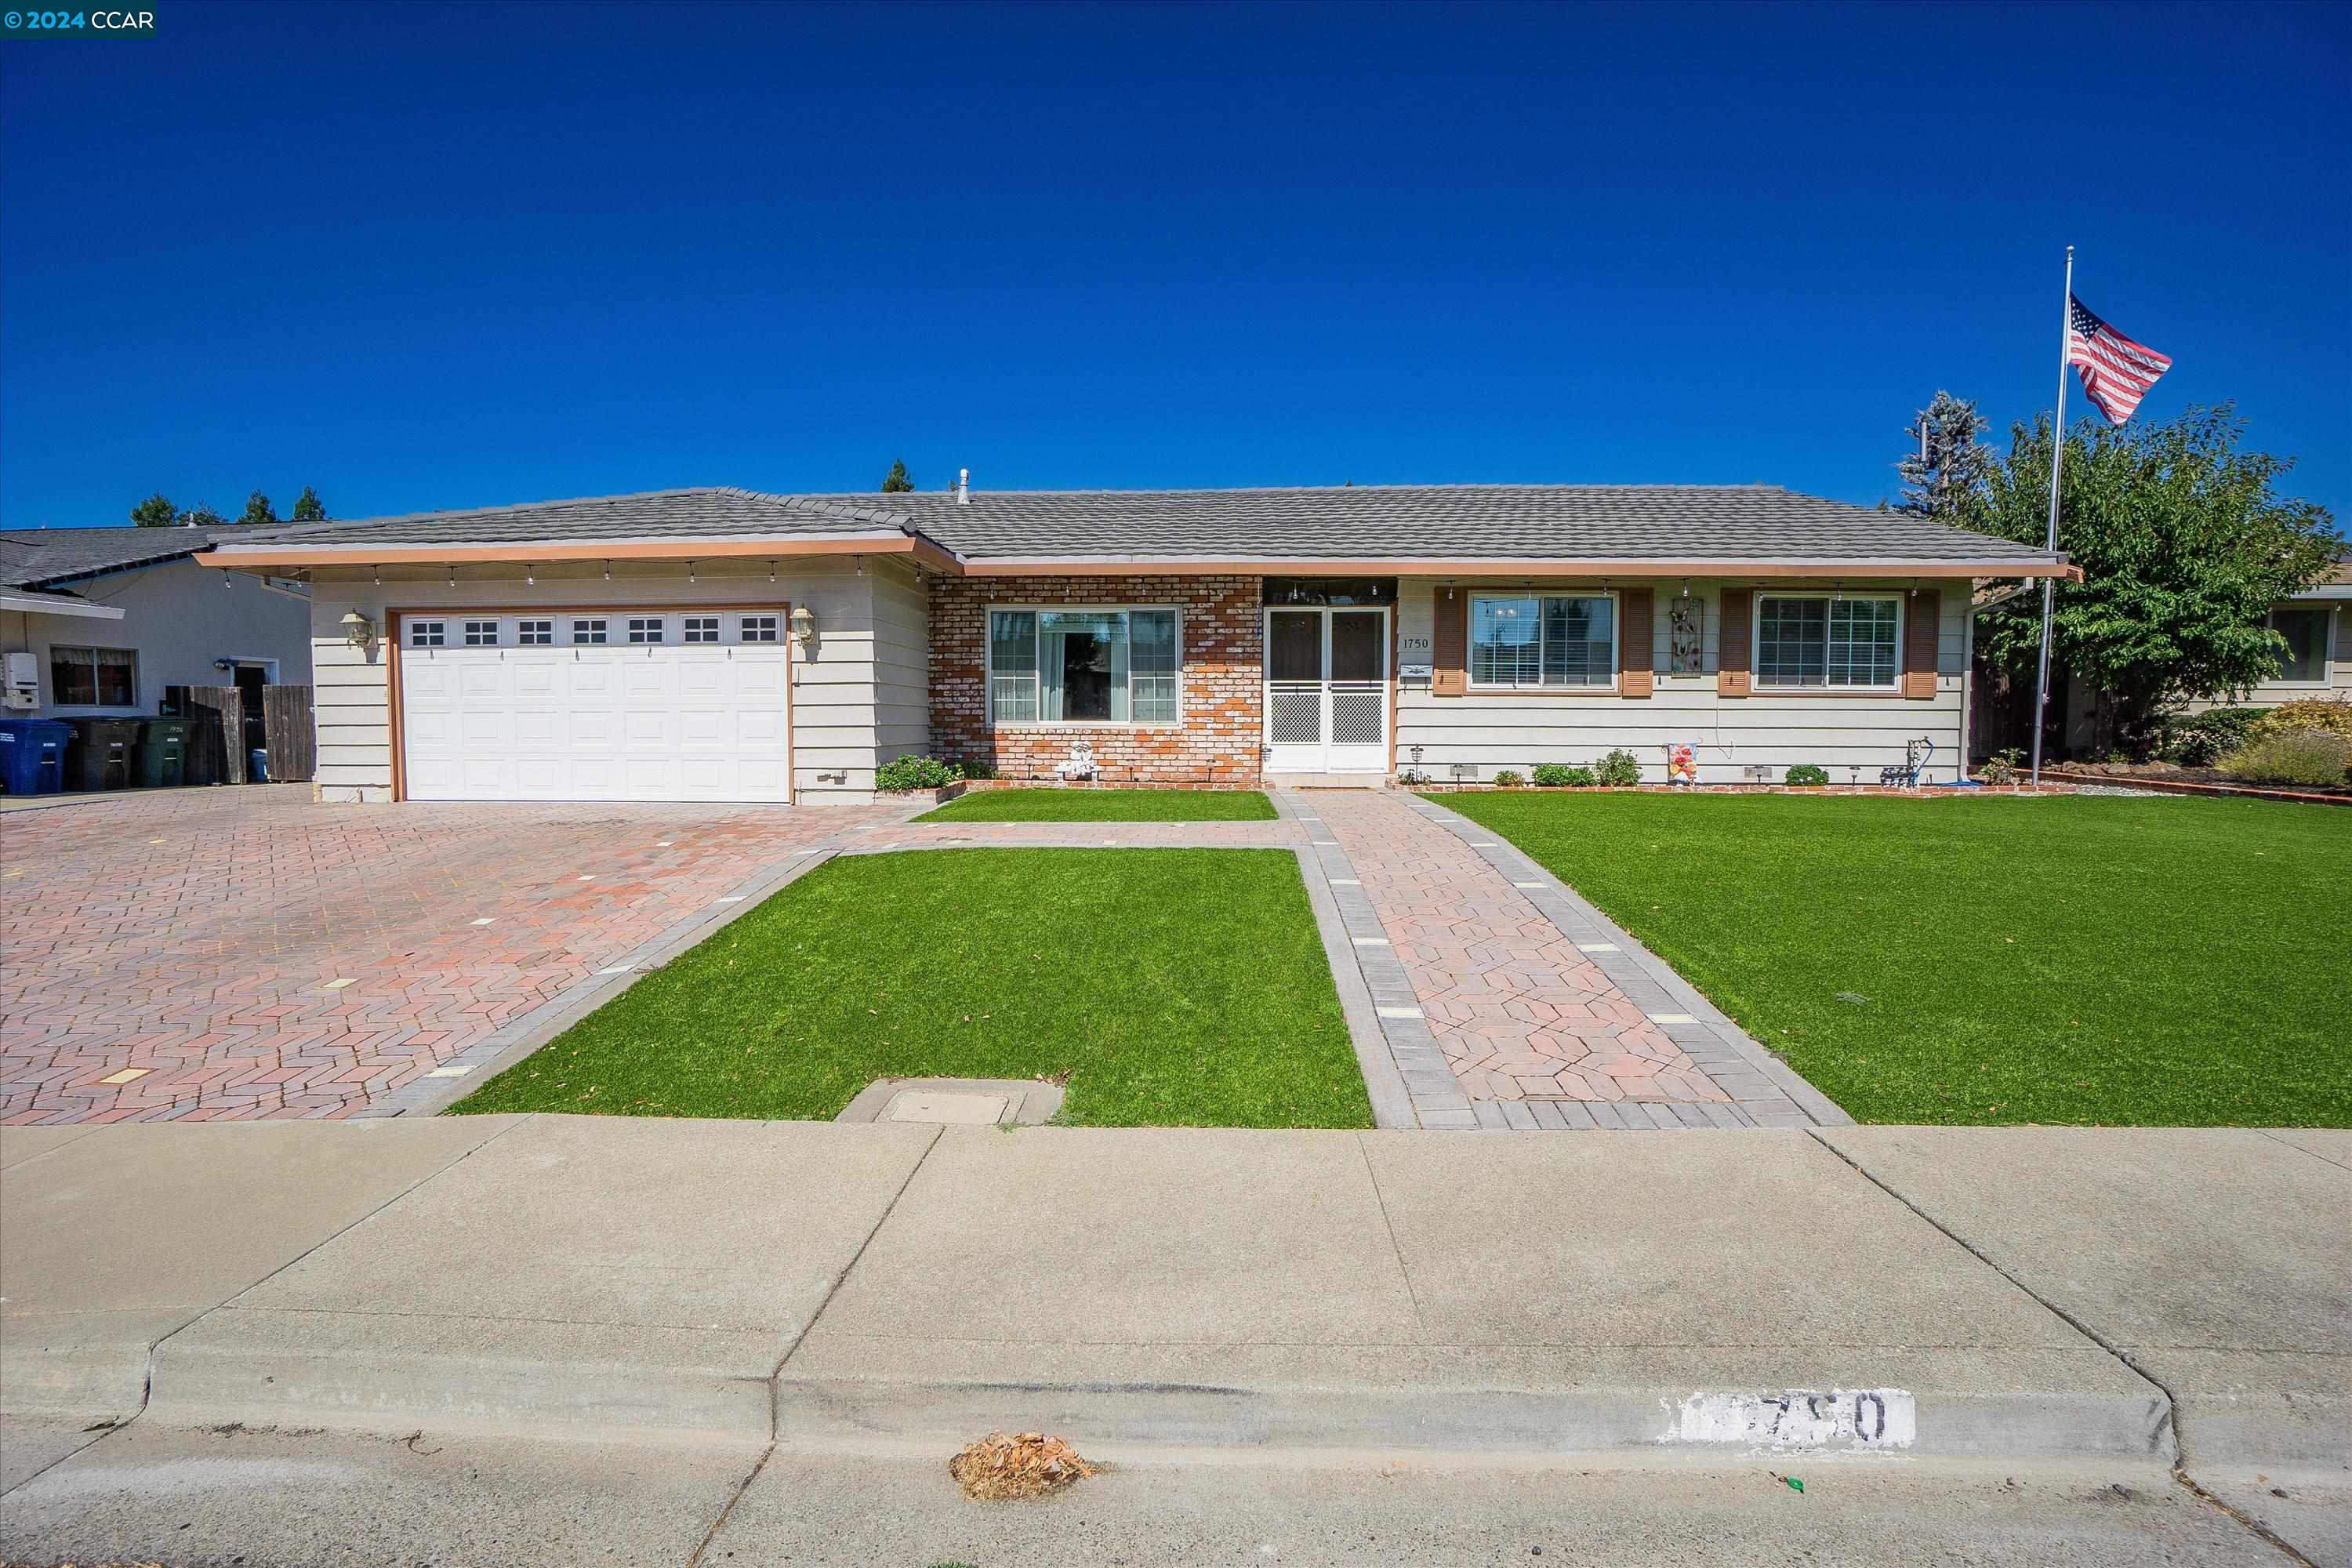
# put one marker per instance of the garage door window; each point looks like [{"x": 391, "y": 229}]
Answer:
[
  {"x": 481, "y": 634},
  {"x": 425, "y": 633},
  {"x": 535, "y": 633},
  {"x": 702, "y": 628},
  {"x": 758, "y": 628},
  {"x": 644, "y": 628},
  {"x": 591, "y": 631}
]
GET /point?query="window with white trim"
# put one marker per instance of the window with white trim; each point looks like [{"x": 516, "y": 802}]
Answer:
[
  {"x": 758, "y": 628},
  {"x": 534, "y": 634},
  {"x": 1082, "y": 666},
  {"x": 2305, "y": 630},
  {"x": 702, "y": 628},
  {"x": 481, "y": 634},
  {"x": 591, "y": 630},
  {"x": 427, "y": 634},
  {"x": 644, "y": 628},
  {"x": 1567, "y": 640},
  {"x": 1829, "y": 640},
  {"x": 94, "y": 676}
]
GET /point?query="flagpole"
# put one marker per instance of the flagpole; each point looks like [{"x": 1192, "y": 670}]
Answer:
[{"x": 2057, "y": 454}]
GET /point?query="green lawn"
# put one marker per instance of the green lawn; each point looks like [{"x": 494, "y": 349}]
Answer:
[
  {"x": 2082, "y": 960},
  {"x": 1175, "y": 987},
  {"x": 1104, "y": 805}
]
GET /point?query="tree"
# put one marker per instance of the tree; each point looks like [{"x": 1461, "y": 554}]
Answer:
[
  {"x": 899, "y": 480},
  {"x": 155, "y": 511},
  {"x": 1943, "y": 479},
  {"x": 202, "y": 516},
  {"x": 308, "y": 508},
  {"x": 258, "y": 510},
  {"x": 2184, "y": 549}
]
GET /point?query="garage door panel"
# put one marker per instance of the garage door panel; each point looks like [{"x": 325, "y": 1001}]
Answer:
[{"x": 671, "y": 720}]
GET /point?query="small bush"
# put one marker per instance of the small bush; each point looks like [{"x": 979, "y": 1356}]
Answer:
[
  {"x": 2324, "y": 716},
  {"x": 1619, "y": 770},
  {"x": 901, "y": 775},
  {"x": 2199, "y": 741},
  {"x": 1412, "y": 778},
  {"x": 1552, "y": 775},
  {"x": 2002, "y": 768},
  {"x": 1576, "y": 775},
  {"x": 2313, "y": 758},
  {"x": 1509, "y": 778},
  {"x": 1807, "y": 773}
]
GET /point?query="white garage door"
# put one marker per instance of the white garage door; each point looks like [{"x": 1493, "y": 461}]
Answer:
[{"x": 595, "y": 705}]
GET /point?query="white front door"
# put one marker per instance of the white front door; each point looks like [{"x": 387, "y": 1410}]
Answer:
[
  {"x": 647, "y": 704},
  {"x": 1326, "y": 691}
]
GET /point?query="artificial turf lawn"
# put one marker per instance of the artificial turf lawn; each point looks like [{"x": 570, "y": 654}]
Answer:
[
  {"x": 2069, "y": 959},
  {"x": 1176, "y": 987},
  {"x": 1104, "y": 805}
]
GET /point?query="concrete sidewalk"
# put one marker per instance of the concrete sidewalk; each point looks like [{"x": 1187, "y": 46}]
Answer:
[{"x": 2016, "y": 1294}]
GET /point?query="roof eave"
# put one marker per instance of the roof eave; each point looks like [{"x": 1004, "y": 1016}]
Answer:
[
  {"x": 262, "y": 556},
  {"x": 1516, "y": 566}
]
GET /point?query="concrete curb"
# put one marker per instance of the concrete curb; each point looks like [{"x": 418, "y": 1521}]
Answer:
[{"x": 1771, "y": 1092}]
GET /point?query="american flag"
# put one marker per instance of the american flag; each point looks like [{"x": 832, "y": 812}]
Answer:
[{"x": 2117, "y": 372}]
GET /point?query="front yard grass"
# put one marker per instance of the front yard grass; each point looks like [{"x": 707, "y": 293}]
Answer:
[
  {"x": 1175, "y": 987},
  {"x": 2077, "y": 959},
  {"x": 1105, "y": 805}
]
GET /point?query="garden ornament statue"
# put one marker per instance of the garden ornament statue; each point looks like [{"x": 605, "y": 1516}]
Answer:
[
  {"x": 1081, "y": 764},
  {"x": 1682, "y": 764}
]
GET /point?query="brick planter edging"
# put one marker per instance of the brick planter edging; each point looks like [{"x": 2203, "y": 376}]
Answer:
[
  {"x": 1933, "y": 792},
  {"x": 947, "y": 793}
]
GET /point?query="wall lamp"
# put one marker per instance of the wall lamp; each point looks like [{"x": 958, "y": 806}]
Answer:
[
  {"x": 359, "y": 629},
  {"x": 803, "y": 626}
]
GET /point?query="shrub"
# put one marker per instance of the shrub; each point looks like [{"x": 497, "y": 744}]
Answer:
[
  {"x": 2002, "y": 767},
  {"x": 1552, "y": 775},
  {"x": 1412, "y": 778},
  {"x": 900, "y": 774},
  {"x": 2308, "y": 757},
  {"x": 2324, "y": 716},
  {"x": 1576, "y": 775},
  {"x": 1509, "y": 778},
  {"x": 1619, "y": 770},
  {"x": 1807, "y": 773},
  {"x": 2199, "y": 741}
]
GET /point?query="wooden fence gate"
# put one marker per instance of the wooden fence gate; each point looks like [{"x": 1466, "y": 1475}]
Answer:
[{"x": 217, "y": 750}]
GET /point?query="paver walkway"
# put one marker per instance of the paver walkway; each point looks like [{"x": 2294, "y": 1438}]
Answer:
[
  {"x": 249, "y": 952},
  {"x": 1536, "y": 1034}
]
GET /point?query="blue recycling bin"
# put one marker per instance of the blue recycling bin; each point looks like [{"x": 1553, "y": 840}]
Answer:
[{"x": 33, "y": 756}]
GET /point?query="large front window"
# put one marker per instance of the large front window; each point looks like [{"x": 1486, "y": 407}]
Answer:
[
  {"x": 1549, "y": 639},
  {"x": 1825, "y": 640},
  {"x": 2305, "y": 631},
  {"x": 1077, "y": 666}
]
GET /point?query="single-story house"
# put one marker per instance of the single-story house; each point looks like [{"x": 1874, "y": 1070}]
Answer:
[
  {"x": 726, "y": 645},
  {"x": 110, "y": 616}
]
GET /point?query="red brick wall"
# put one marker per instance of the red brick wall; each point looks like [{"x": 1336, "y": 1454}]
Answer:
[{"x": 1218, "y": 630}]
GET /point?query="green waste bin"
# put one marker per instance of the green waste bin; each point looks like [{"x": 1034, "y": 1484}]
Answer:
[
  {"x": 164, "y": 751},
  {"x": 104, "y": 754}
]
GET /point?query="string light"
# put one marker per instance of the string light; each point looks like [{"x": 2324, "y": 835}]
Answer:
[
  {"x": 608, "y": 571},
  {"x": 771, "y": 571},
  {"x": 689, "y": 570}
]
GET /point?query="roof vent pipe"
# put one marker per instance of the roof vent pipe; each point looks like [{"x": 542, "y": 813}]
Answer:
[{"x": 963, "y": 487}]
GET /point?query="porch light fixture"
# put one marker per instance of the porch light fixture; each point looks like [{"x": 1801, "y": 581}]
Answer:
[
  {"x": 804, "y": 625},
  {"x": 359, "y": 629}
]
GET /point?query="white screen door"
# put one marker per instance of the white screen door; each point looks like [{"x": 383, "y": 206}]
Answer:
[{"x": 1327, "y": 690}]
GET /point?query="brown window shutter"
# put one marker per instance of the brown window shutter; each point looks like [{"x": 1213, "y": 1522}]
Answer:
[
  {"x": 1922, "y": 614},
  {"x": 1450, "y": 644},
  {"x": 1636, "y": 656},
  {"x": 1731, "y": 643}
]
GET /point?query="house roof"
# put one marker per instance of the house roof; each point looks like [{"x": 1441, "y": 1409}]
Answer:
[
  {"x": 1358, "y": 528},
  {"x": 47, "y": 557}
]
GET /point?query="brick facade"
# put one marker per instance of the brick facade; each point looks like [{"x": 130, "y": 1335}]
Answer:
[{"x": 1218, "y": 631}]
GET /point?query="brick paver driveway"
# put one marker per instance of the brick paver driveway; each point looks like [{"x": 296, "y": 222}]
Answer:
[{"x": 248, "y": 952}]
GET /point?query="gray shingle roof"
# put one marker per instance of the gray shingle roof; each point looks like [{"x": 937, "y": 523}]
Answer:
[
  {"x": 40, "y": 557},
  {"x": 1582, "y": 522},
  {"x": 708, "y": 510},
  {"x": 1714, "y": 522}
]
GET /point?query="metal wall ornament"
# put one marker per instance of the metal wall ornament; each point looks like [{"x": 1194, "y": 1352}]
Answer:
[{"x": 1686, "y": 638}]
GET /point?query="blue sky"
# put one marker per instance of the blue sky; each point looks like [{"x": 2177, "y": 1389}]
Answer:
[{"x": 427, "y": 257}]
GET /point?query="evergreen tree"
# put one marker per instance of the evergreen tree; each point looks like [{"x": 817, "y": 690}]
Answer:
[
  {"x": 155, "y": 511},
  {"x": 899, "y": 480},
  {"x": 1944, "y": 477},
  {"x": 308, "y": 507},
  {"x": 202, "y": 516},
  {"x": 258, "y": 510}
]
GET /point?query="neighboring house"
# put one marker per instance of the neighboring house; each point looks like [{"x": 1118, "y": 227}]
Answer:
[
  {"x": 724, "y": 645},
  {"x": 112, "y": 615}
]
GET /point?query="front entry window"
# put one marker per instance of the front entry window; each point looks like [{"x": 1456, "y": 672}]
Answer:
[{"x": 1077, "y": 667}]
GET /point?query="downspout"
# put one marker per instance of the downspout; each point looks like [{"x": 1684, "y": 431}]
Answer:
[{"x": 1968, "y": 685}]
